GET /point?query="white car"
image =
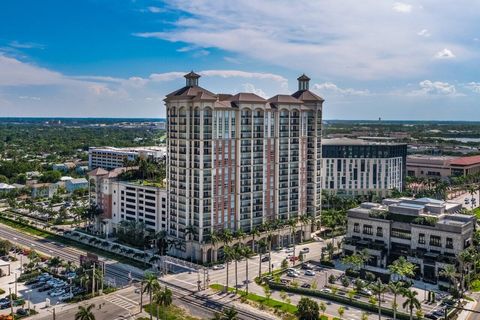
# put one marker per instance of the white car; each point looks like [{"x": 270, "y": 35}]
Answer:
[
  {"x": 326, "y": 290},
  {"x": 293, "y": 270},
  {"x": 305, "y": 250},
  {"x": 309, "y": 273},
  {"x": 366, "y": 292},
  {"x": 218, "y": 267},
  {"x": 292, "y": 274},
  {"x": 289, "y": 250}
]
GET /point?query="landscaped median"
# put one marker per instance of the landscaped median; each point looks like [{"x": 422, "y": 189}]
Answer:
[
  {"x": 277, "y": 306},
  {"x": 336, "y": 298}
]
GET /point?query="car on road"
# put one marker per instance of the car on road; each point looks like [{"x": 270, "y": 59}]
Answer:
[
  {"x": 306, "y": 285},
  {"x": 305, "y": 250},
  {"x": 289, "y": 250},
  {"x": 326, "y": 290},
  {"x": 265, "y": 258},
  {"x": 366, "y": 292},
  {"x": 218, "y": 267},
  {"x": 310, "y": 273}
]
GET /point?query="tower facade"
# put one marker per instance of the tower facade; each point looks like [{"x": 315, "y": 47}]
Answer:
[{"x": 239, "y": 161}]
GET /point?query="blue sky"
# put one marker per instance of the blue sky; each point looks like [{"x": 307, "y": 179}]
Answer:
[{"x": 368, "y": 59}]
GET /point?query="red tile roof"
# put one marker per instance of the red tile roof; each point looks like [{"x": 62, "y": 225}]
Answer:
[{"x": 466, "y": 161}]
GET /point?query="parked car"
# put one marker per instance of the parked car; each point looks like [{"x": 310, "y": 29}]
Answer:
[
  {"x": 5, "y": 305},
  {"x": 326, "y": 290},
  {"x": 306, "y": 285},
  {"x": 307, "y": 266},
  {"x": 22, "y": 312},
  {"x": 65, "y": 296},
  {"x": 292, "y": 274},
  {"x": 57, "y": 293},
  {"x": 292, "y": 258},
  {"x": 44, "y": 288},
  {"x": 310, "y": 273}
]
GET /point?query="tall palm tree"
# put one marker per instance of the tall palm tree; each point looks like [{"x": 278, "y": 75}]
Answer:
[
  {"x": 236, "y": 256},
  {"x": 292, "y": 223},
  {"x": 395, "y": 288},
  {"x": 255, "y": 233},
  {"x": 85, "y": 313},
  {"x": 214, "y": 240},
  {"x": 228, "y": 256},
  {"x": 262, "y": 245},
  {"x": 379, "y": 288},
  {"x": 411, "y": 301},
  {"x": 150, "y": 285},
  {"x": 247, "y": 253},
  {"x": 449, "y": 272},
  {"x": 163, "y": 298},
  {"x": 304, "y": 220}
]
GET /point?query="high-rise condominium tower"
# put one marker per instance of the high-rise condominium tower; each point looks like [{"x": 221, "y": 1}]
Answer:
[{"x": 238, "y": 161}]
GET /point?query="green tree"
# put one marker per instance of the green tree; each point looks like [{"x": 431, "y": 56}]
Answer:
[
  {"x": 395, "y": 288},
  {"x": 51, "y": 176},
  {"x": 162, "y": 298},
  {"x": 379, "y": 288},
  {"x": 341, "y": 311},
  {"x": 150, "y": 285},
  {"x": 323, "y": 307},
  {"x": 411, "y": 302},
  {"x": 402, "y": 268},
  {"x": 307, "y": 309},
  {"x": 449, "y": 272},
  {"x": 85, "y": 313}
]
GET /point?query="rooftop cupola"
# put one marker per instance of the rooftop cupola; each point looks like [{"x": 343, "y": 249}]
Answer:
[
  {"x": 192, "y": 79},
  {"x": 303, "y": 82}
]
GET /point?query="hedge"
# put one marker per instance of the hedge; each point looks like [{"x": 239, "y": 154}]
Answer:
[{"x": 340, "y": 299}]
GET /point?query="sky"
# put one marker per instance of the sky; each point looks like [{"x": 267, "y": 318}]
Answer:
[{"x": 408, "y": 60}]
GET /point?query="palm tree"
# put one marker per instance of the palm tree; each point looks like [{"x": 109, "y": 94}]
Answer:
[
  {"x": 292, "y": 223},
  {"x": 379, "y": 288},
  {"x": 450, "y": 273},
  {"x": 228, "y": 255},
  {"x": 85, "y": 313},
  {"x": 395, "y": 288},
  {"x": 163, "y": 298},
  {"x": 411, "y": 301},
  {"x": 214, "y": 239},
  {"x": 262, "y": 245},
  {"x": 247, "y": 253},
  {"x": 236, "y": 256},
  {"x": 229, "y": 314},
  {"x": 304, "y": 220},
  {"x": 255, "y": 233},
  {"x": 150, "y": 284}
]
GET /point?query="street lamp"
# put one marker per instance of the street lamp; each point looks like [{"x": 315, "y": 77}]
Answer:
[{"x": 28, "y": 300}]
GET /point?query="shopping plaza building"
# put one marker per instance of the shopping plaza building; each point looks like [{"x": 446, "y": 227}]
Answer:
[
  {"x": 429, "y": 233},
  {"x": 238, "y": 161}
]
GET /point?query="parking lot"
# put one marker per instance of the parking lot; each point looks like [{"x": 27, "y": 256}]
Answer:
[{"x": 312, "y": 276}]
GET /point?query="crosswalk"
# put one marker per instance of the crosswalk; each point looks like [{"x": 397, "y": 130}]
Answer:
[{"x": 122, "y": 302}]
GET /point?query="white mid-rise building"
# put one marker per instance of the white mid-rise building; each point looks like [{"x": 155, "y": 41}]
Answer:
[
  {"x": 110, "y": 158},
  {"x": 358, "y": 167}
]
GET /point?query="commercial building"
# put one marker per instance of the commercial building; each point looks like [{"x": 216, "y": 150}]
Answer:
[
  {"x": 43, "y": 190},
  {"x": 122, "y": 200},
  {"x": 110, "y": 158},
  {"x": 358, "y": 167},
  {"x": 442, "y": 166},
  {"x": 237, "y": 161},
  {"x": 429, "y": 233}
]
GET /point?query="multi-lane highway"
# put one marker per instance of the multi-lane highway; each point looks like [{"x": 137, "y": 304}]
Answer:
[{"x": 120, "y": 274}]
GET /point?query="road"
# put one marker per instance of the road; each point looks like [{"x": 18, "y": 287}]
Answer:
[{"x": 119, "y": 273}]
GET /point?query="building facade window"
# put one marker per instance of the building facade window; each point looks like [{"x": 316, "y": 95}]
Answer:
[
  {"x": 435, "y": 241},
  {"x": 356, "y": 228},
  {"x": 449, "y": 244},
  {"x": 421, "y": 238},
  {"x": 379, "y": 232},
  {"x": 367, "y": 229}
]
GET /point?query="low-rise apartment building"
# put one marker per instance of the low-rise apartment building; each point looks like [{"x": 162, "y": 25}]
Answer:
[
  {"x": 429, "y": 233},
  {"x": 110, "y": 158},
  {"x": 358, "y": 167}
]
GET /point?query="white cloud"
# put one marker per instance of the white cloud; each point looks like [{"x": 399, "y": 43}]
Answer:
[
  {"x": 166, "y": 76},
  {"x": 444, "y": 54},
  {"x": 155, "y": 9},
  {"x": 16, "y": 73},
  {"x": 244, "y": 74},
  {"x": 351, "y": 40},
  {"x": 424, "y": 33},
  {"x": 329, "y": 87},
  {"x": 29, "y": 98},
  {"x": 474, "y": 86},
  {"x": 248, "y": 87},
  {"x": 428, "y": 87},
  {"x": 402, "y": 7},
  {"x": 25, "y": 45}
]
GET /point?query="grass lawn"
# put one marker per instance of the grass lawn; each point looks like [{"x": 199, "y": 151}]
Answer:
[
  {"x": 172, "y": 313},
  {"x": 275, "y": 304},
  {"x": 28, "y": 229},
  {"x": 475, "y": 285},
  {"x": 476, "y": 212}
]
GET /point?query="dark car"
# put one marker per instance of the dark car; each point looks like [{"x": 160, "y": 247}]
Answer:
[
  {"x": 22, "y": 312},
  {"x": 31, "y": 281},
  {"x": 306, "y": 285},
  {"x": 265, "y": 259},
  {"x": 5, "y": 305},
  {"x": 44, "y": 288}
]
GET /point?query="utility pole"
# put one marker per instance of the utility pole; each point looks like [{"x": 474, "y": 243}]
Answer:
[
  {"x": 93, "y": 280},
  {"x": 11, "y": 301},
  {"x": 103, "y": 275},
  {"x": 15, "y": 283},
  {"x": 53, "y": 313}
]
